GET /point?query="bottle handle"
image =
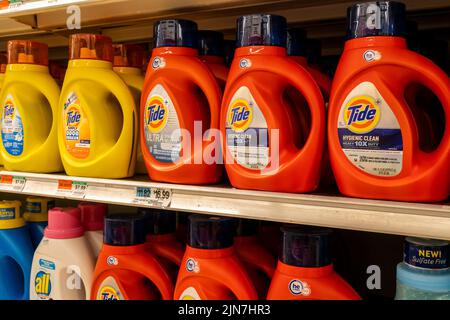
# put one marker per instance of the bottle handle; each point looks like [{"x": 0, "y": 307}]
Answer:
[
  {"x": 238, "y": 282},
  {"x": 155, "y": 272}
]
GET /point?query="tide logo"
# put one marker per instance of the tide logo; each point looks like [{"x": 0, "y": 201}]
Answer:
[
  {"x": 9, "y": 110},
  {"x": 108, "y": 293},
  {"x": 361, "y": 114},
  {"x": 73, "y": 116},
  {"x": 156, "y": 114},
  {"x": 240, "y": 115},
  {"x": 42, "y": 285}
]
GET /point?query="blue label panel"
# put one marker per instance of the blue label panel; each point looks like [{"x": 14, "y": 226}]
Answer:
[
  {"x": 426, "y": 257},
  {"x": 7, "y": 213},
  {"x": 47, "y": 264},
  {"x": 377, "y": 139}
]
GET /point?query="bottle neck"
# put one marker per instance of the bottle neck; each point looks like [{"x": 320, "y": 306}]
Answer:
[
  {"x": 89, "y": 63},
  {"x": 124, "y": 249},
  {"x": 244, "y": 240},
  {"x": 314, "y": 272},
  {"x": 179, "y": 51},
  {"x": 213, "y": 59},
  {"x": 209, "y": 253},
  {"x": 158, "y": 238},
  {"x": 26, "y": 67},
  {"x": 378, "y": 41},
  {"x": 260, "y": 50},
  {"x": 128, "y": 70}
]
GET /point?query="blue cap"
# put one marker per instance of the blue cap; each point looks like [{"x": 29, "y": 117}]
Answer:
[
  {"x": 124, "y": 230},
  {"x": 306, "y": 247},
  {"x": 261, "y": 30},
  {"x": 175, "y": 33},
  {"x": 296, "y": 42},
  {"x": 426, "y": 253},
  {"x": 380, "y": 18},
  {"x": 210, "y": 43},
  {"x": 158, "y": 221},
  {"x": 211, "y": 232},
  {"x": 247, "y": 227}
]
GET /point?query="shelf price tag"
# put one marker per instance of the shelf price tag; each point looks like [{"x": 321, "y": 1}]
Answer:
[
  {"x": 12, "y": 183},
  {"x": 157, "y": 197},
  {"x": 75, "y": 189}
]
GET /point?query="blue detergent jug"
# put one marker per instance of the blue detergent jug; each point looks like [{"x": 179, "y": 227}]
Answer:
[
  {"x": 36, "y": 216},
  {"x": 424, "y": 273},
  {"x": 16, "y": 253}
]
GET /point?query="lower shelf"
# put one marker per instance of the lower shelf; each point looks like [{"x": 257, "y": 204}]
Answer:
[{"x": 402, "y": 218}]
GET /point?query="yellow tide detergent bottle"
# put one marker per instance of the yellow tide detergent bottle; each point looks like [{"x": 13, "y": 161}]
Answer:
[
  {"x": 97, "y": 130},
  {"x": 128, "y": 63},
  {"x": 29, "y": 100}
]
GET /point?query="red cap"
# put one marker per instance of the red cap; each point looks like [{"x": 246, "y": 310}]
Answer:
[
  {"x": 64, "y": 223},
  {"x": 92, "y": 215},
  {"x": 128, "y": 55},
  {"x": 3, "y": 62},
  {"x": 90, "y": 46},
  {"x": 27, "y": 52}
]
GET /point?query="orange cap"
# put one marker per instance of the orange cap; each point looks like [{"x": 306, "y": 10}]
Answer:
[
  {"x": 90, "y": 46},
  {"x": 27, "y": 52},
  {"x": 3, "y": 62},
  {"x": 128, "y": 55}
]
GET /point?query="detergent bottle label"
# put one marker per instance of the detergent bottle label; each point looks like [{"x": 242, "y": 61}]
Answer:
[
  {"x": 161, "y": 126},
  {"x": 190, "y": 294},
  {"x": 44, "y": 280},
  {"x": 12, "y": 127},
  {"x": 7, "y": 213},
  {"x": 369, "y": 132},
  {"x": 109, "y": 290},
  {"x": 247, "y": 133},
  {"x": 77, "y": 135}
]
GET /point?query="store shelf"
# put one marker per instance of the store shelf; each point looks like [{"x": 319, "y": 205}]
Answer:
[{"x": 422, "y": 220}]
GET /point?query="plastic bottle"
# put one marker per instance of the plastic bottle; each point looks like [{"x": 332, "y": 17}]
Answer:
[
  {"x": 180, "y": 103},
  {"x": 260, "y": 263},
  {"x": 16, "y": 253},
  {"x": 128, "y": 63},
  {"x": 3, "y": 63},
  {"x": 63, "y": 263},
  {"x": 25, "y": 145},
  {"x": 36, "y": 216},
  {"x": 257, "y": 124},
  {"x": 97, "y": 127},
  {"x": 211, "y": 269},
  {"x": 126, "y": 270},
  {"x": 424, "y": 273},
  {"x": 374, "y": 134},
  {"x": 92, "y": 218},
  {"x": 211, "y": 50},
  {"x": 305, "y": 270}
]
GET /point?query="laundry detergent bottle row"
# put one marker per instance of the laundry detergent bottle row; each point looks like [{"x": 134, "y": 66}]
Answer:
[
  {"x": 128, "y": 63},
  {"x": 180, "y": 108},
  {"x": 305, "y": 270},
  {"x": 424, "y": 273},
  {"x": 92, "y": 218},
  {"x": 36, "y": 216},
  {"x": 97, "y": 122},
  {"x": 29, "y": 100},
  {"x": 374, "y": 129},
  {"x": 126, "y": 270},
  {"x": 16, "y": 253},
  {"x": 258, "y": 123},
  {"x": 211, "y": 50},
  {"x": 211, "y": 269}
]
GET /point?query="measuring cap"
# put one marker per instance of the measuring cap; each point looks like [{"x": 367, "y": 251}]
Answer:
[
  {"x": 261, "y": 30},
  {"x": 93, "y": 215},
  {"x": 10, "y": 217},
  {"x": 37, "y": 209},
  {"x": 381, "y": 18},
  {"x": 306, "y": 247},
  {"x": 209, "y": 232},
  {"x": 64, "y": 223},
  {"x": 426, "y": 253},
  {"x": 210, "y": 43},
  {"x": 296, "y": 42},
  {"x": 128, "y": 55},
  {"x": 175, "y": 33},
  {"x": 27, "y": 52},
  {"x": 124, "y": 230},
  {"x": 159, "y": 221},
  {"x": 247, "y": 227},
  {"x": 90, "y": 46}
]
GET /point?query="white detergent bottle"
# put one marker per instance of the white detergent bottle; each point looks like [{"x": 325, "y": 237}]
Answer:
[
  {"x": 92, "y": 218},
  {"x": 63, "y": 264}
]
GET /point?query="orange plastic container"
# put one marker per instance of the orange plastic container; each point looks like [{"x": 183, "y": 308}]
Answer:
[
  {"x": 260, "y": 263},
  {"x": 211, "y": 269},
  {"x": 257, "y": 121},
  {"x": 180, "y": 102},
  {"x": 125, "y": 269},
  {"x": 305, "y": 271},
  {"x": 211, "y": 47},
  {"x": 161, "y": 239},
  {"x": 374, "y": 134}
]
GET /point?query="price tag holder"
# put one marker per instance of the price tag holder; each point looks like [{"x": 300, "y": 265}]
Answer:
[
  {"x": 12, "y": 183},
  {"x": 155, "y": 197},
  {"x": 75, "y": 189}
]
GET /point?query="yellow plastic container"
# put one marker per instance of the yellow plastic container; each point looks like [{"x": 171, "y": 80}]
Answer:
[
  {"x": 97, "y": 122},
  {"x": 128, "y": 64},
  {"x": 10, "y": 216},
  {"x": 29, "y": 102}
]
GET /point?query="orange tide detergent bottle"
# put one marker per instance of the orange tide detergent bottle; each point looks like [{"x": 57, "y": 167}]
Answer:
[
  {"x": 260, "y": 263},
  {"x": 97, "y": 129},
  {"x": 211, "y": 269},
  {"x": 210, "y": 46},
  {"x": 180, "y": 108},
  {"x": 373, "y": 131},
  {"x": 128, "y": 62},
  {"x": 125, "y": 269},
  {"x": 258, "y": 123},
  {"x": 161, "y": 239},
  {"x": 305, "y": 270}
]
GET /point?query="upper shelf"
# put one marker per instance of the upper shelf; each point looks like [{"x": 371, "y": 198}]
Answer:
[{"x": 413, "y": 219}]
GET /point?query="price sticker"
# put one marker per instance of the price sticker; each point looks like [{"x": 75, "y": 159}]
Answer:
[
  {"x": 12, "y": 183},
  {"x": 157, "y": 197},
  {"x": 76, "y": 189}
]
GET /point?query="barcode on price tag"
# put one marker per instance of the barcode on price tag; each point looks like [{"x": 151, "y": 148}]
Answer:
[
  {"x": 158, "y": 197},
  {"x": 70, "y": 188},
  {"x": 13, "y": 183}
]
